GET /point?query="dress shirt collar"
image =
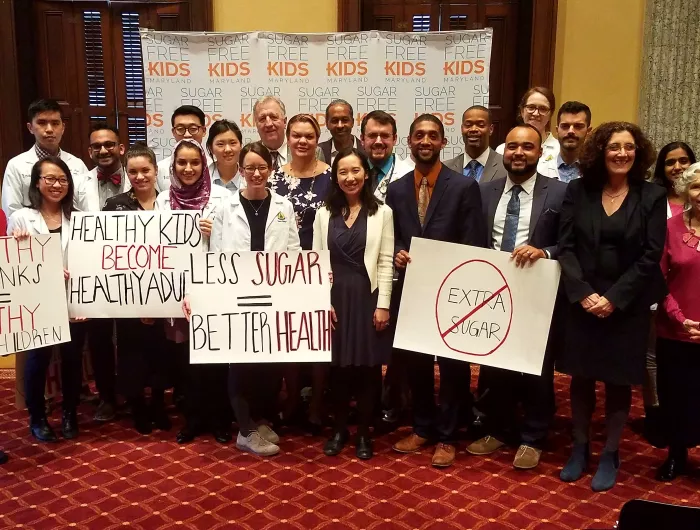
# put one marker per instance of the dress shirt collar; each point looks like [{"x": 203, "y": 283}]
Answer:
[
  {"x": 334, "y": 149},
  {"x": 560, "y": 162},
  {"x": 386, "y": 166},
  {"x": 432, "y": 175},
  {"x": 233, "y": 185},
  {"x": 43, "y": 153},
  {"x": 482, "y": 158},
  {"x": 528, "y": 186}
]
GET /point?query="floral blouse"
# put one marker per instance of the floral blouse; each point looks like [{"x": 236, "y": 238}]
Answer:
[{"x": 306, "y": 195}]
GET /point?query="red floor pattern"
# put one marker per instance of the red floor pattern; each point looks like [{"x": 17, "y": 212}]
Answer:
[{"x": 112, "y": 477}]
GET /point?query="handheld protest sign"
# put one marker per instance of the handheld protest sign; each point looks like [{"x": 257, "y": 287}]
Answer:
[
  {"x": 482, "y": 308},
  {"x": 253, "y": 307},
  {"x": 130, "y": 264},
  {"x": 33, "y": 311}
]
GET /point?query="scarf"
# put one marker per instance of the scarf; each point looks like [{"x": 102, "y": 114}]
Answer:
[{"x": 194, "y": 196}]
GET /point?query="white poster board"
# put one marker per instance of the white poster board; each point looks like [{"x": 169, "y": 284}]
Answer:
[
  {"x": 130, "y": 264},
  {"x": 404, "y": 74},
  {"x": 33, "y": 311},
  {"x": 475, "y": 305},
  {"x": 254, "y": 307}
]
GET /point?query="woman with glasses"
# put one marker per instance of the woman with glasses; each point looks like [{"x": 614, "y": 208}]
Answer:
[
  {"x": 51, "y": 191},
  {"x": 305, "y": 181},
  {"x": 254, "y": 219},
  {"x": 536, "y": 108},
  {"x": 612, "y": 232},
  {"x": 224, "y": 145},
  {"x": 678, "y": 329},
  {"x": 205, "y": 401}
]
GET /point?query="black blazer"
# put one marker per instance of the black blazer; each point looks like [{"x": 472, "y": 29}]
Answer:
[
  {"x": 579, "y": 236},
  {"x": 453, "y": 215},
  {"x": 548, "y": 197},
  {"x": 328, "y": 145}
]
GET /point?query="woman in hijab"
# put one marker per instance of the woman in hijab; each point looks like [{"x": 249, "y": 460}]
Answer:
[{"x": 205, "y": 385}]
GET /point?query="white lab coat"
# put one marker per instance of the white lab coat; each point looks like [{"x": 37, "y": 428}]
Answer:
[
  {"x": 217, "y": 197},
  {"x": 231, "y": 232},
  {"x": 33, "y": 222},
  {"x": 92, "y": 190},
  {"x": 15, "y": 184},
  {"x": 401, "y": 167}
]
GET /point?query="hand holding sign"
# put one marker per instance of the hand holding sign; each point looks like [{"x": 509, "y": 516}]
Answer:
[
  {"x": 402, "y": 259},
  {"x": 527, "y": 255}
]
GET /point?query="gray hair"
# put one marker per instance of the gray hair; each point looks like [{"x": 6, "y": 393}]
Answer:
[
  {"x": 683, "y": 182},
  {"x": 265, "y": 99}
]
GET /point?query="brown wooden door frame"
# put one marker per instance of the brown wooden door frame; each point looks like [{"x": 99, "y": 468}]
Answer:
[{"x": 542, "y": 44}]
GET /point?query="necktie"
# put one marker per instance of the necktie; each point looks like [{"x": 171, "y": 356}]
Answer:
[
  {"x": 423, "y": 200},
  {"x": 472, "y": 170},
  {"x": 275, "y": 160},
  {"x": 510, "y": 228},
  {"x": 567, "y": 172},
  {"x": 115, "y": 178},
  {"x": 374, "y": 176}
]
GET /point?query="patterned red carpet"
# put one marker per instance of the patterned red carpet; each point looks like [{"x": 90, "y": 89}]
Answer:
[{"x": 112, "y": 477}]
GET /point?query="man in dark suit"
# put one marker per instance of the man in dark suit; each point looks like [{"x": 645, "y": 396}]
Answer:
[
  {"x": 521, "y": 214},
  {"x": 433, "y": 202},
  {"x": 478, "y": 161},
  {"x": 339, "y": 121}
]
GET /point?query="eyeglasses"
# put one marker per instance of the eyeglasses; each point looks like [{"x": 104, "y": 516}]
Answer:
[
  {"x": 541, "y": 108},
  {"x": 107, "y": 145},
  {"x": 50, "y": 181},
  {"x": 250, "y": 170},
  {"x": 192, "y": 129},
  {"x": 616, "y": 148}
]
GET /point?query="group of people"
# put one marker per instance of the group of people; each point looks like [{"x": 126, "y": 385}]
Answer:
[{"x": 627, "y": 244}]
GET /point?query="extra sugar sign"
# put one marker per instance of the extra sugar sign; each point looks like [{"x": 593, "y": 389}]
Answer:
[{"x": 482, "y": 308}]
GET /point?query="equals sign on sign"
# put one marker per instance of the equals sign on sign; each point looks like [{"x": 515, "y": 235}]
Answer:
[
  {"x": 264, "y": 300},
  {"x": 4, "y": 298}
]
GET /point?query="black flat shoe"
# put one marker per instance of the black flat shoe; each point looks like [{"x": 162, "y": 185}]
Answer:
[
  {"x": 3, "y": 457},
  {"x": 186, "y": 435},
  {"x": 363, "y": 449},
  {"x": 223, "y": 436},
  {"x": 673, "y": 467},
  {"x": 42, "y": 431},
  {"x": 336, "y": 443},
  {"x": 69, "y": 425}
]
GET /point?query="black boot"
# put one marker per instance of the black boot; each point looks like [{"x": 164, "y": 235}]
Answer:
[
  {"x": 41, "y": 430},
  {"x": 675, "y": 465},
  {"x": 363, "y": 449},
  {"x": 69, "y": 424},
  {"x": 336, "y": 443}
]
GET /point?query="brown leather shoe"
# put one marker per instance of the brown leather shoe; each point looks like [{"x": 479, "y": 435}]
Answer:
[
  {"x": 527, "y": 457},
  {"x": 410, "y": 444},
  {"x": 485, "y": 446},
  {"x": 444, "y": 455}
]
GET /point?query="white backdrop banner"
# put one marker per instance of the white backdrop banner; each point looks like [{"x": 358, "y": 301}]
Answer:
[
  {"x": 260, "y": 307},
  {"x": 405, "y": 74},
  {"x": 473, "y": 304},
  {"x": 33, "y": 311}
]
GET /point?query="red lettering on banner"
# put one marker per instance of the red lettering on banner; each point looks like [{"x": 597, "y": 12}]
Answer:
[
  {"x": 229, "y": 69},
  {"x": 463, "y": 67},
  {"x": 404, "y": 68},
  {"x": 287, "y": 69},
  {"x": 154, "y": 120},
  {"x": 346, "y": 68},
  {"x": 246, "y": 120},
  {"x": 133, "y": 257},
  {"x": 168, "y": 69},
  {"x": 447, "y": 118}
]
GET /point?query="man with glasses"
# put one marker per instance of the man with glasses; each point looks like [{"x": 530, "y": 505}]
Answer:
[
  {"x": 46, "y": 123},
  {"x": 270, "y": 117},
  {"x": 187, "y": 121},
  {"x": 573, "y": 126}
]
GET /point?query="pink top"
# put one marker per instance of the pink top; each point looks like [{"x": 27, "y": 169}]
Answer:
[
  {"x": 680, "y": 264},
  {"x": 675, "y": 208}
]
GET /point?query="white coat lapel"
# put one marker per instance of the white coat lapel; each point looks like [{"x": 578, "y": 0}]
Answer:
[
  {"x": 65, "y": 232},
  {"x": 275, "y": 211}
]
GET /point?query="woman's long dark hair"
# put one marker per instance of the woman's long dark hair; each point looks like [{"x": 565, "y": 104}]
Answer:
[
  {"x": 36, "y": 199},
  {"x": 593, "y": 171},
  {"x": 336, "y": 202},
  {"x": 659, "y": 171}
]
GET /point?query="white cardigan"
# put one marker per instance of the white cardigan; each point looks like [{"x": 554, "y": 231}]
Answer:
[
  {"x": 379, "y": 249},
  {"x": 33, "y": 222}
]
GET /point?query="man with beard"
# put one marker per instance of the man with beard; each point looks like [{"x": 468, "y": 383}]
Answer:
[
  {"x": 478, "y": 160},
  {"x": 378, "y": 137},
  {"x": 573, "y": 125},
  {"x": 433, "y": 202},
  {"x": 339, "y": 122},
  {"x": 521, "y": 214}
]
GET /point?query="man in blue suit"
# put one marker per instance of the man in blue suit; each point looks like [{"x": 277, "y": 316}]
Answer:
[
  {"x": 433, "y": 202},
  {"x": 521, "y": 214}
]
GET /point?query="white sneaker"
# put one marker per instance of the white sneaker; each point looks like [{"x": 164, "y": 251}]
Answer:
[
  {"x": 268, "y": 434},
  {"x": 254, "y": 443}
]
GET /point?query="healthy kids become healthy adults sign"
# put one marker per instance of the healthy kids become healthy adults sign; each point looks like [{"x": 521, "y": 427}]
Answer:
[
  {"x": 130, "y": 264},
  {"x": 33, "y": 311},
  {"x": 255, "y": 307},
  {"x": 475, "y": 305},
  {"x": 405, "y": 74}
]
